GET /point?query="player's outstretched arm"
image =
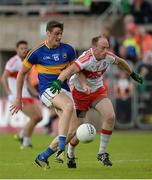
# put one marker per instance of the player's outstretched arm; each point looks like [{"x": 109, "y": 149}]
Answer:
[
  {"x": 65, "y": 74},
  {"x": 137, "y": 77},
  {"x": 124, "y": 65},
  {"x": 17, "y": 105}
]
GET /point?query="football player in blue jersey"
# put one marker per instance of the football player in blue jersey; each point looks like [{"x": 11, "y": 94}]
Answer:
[{"x": 50, "y": 58}]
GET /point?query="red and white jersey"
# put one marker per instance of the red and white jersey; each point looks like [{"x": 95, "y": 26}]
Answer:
[
  {"x": 13, "y": 66},
  {"x": 93, "y": 69}
]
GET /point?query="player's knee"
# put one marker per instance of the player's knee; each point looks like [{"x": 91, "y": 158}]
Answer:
[
  {"x": 69, "y": 107},
  {"x": 37, "y": 118},
  {"x": 111, "y": 118}
]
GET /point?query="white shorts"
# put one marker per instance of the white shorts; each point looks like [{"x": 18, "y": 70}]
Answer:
[
  {"x": 11, "y": 98},
  {"x": 48, "y": 96}
]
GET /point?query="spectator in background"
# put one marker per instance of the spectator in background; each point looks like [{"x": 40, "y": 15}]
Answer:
[
  {"x": 123, "y": 52},
  {"x": 131, "y": 43},
  {"x": 147, "y": 57},
  {"x": 130, "y": 26},
  {"x": 106, "y": 31},
  {"x": 145, "y": 40},
  {"x": 141, "y": 10},
  {"x": 128, "y": 19},
  {"x": 144, "y": 71},
  {"x": 145, "y": 91},
  {"x": 123, "y": 91}
]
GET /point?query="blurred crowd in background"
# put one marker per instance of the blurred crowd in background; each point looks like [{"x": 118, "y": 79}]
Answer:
[{"x": 140, "y": 9}]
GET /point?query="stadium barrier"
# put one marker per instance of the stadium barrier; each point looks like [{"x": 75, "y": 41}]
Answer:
[
  {"x": 136, "y": 110},
  {"x": 143, "y": 97},
  {"x": 123, "y": 103}
]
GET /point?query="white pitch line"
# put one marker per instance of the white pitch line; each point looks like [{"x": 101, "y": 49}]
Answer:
[
  {"x": 132, "y": 160},
  {"x": 115, "y": 161}
]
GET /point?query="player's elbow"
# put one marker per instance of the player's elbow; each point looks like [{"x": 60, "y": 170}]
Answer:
[
  {"x": 21, "y": 74},
  {"x": 24, "y": 70}
]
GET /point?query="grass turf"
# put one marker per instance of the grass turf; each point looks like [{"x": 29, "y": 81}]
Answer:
[{"x": 130, "y": 152}]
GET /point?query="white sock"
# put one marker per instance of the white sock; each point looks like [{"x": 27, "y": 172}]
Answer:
[
  {"x": 104, "y": 139},
  {"x": 71, "y": 150},
  {"x": 26, "y": 141},
  {"x": 21, "y": 134}
]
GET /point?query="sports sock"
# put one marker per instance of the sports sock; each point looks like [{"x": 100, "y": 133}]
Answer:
[
  {"x": 62, "y": 142},
  {"x": 21, "y": 134},
  {"x": 104, "y": 139},
  {"x": 46, "y": 154},
  {"x": 26, "y": 141},
  {"x": 71, "y": 150}
]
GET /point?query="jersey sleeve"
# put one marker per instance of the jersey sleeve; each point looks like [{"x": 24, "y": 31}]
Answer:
[
  {"x": 11, "y": 65},
  {"x": 83, "y": 60},
  {"x": 30, "y": 60},
  {"x": 110, "y": 57}
]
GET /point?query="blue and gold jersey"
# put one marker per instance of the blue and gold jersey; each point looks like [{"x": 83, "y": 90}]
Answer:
[{"x": 49, "y": 63}]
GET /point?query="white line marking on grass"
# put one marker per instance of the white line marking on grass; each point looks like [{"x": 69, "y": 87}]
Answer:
[{"x": 132, "y": 160}]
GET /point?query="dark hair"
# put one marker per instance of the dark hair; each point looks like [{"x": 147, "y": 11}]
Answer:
[
  {"x": 95, "y": 40},
  {"x": 21, "y": 42},
  {"x": 53, "y": 24}
]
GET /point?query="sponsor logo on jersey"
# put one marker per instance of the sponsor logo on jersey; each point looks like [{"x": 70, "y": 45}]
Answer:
[
  {"x": 55, "y": 57},
  {"x": 46, "y": 57},
  {"x": 64, "y": 55}
]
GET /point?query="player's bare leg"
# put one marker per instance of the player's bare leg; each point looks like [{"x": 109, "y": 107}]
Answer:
[
  {"x": 105, "y": 108},
  {"x": 71, "y": 163},
  {"x": 71, "y": 133},
  {"x": 66, "y": 105},
  {"x": 74, "y": 122},
  {"x": 67, "y": 108},
  {"x": 48, "y": 126},
  {"x": 33, "y": 111}
]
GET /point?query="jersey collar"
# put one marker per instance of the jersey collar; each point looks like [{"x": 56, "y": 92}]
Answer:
[{"x": 46, "y": 44}]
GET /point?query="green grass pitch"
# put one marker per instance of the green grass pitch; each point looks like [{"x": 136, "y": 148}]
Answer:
[{"x": 130, "y": 152}]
